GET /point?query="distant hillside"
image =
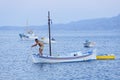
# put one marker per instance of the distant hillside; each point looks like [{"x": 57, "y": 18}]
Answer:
[{"x": 112, "y": 23}]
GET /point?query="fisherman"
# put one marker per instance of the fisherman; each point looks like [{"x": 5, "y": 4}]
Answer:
[{"x": 40, "y": 44}]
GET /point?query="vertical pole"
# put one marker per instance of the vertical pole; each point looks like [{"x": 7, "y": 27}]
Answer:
[
  {"x": 27, "y": 22},
  {"x": 27, "y": 25},
  {"x": 49, "y": 33}
]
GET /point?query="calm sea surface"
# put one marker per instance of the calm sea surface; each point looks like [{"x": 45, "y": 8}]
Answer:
[{"x": 16, "y": 63}]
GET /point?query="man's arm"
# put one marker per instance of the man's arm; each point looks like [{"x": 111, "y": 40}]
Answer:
[{"x": 34, "y": 45}]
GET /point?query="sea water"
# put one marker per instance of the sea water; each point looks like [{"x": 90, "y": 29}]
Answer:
[{"x": 16, "y": 63}]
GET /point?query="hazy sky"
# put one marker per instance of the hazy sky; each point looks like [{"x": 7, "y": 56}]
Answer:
[{"x": 16, "y": 12}]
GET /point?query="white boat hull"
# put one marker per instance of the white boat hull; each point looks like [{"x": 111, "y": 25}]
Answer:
[
  {"x": 28, "y": 36},
  {"x": 59, "y": 59},
  {"x": 89, "y": 44},
  {"x": 46, "y": 40}
]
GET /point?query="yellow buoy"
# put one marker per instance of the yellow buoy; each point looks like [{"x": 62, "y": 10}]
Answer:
[{"x": 105, "y": 57}]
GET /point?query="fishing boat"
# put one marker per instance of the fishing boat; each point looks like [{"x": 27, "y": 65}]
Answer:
[
  {"x": 46, "y": 40},
  {"x": 89, "y": 44},
  {"x": 28, "y": 34},
  {"x": 88, "y": 55}
]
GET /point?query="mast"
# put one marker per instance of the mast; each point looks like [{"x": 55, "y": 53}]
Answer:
[
  {"x": 27, "y": 26},
  {"x": 49, "y": 33}
]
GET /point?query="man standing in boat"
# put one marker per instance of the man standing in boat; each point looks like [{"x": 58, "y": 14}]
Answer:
[{"x": 40, "y": 44}]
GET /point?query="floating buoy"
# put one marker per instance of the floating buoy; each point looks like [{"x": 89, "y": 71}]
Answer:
[{"x": 105, "y": 57}]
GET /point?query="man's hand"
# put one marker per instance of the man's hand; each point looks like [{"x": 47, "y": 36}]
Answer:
[{"x": 34, "y": 45}]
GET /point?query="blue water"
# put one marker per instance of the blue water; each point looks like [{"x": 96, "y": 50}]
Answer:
[{"x": 16, "y": 63}]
